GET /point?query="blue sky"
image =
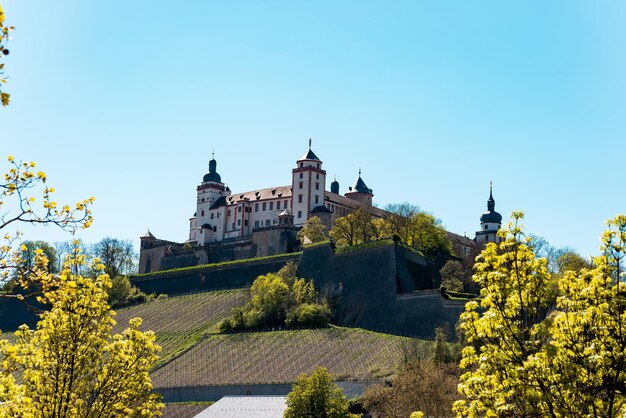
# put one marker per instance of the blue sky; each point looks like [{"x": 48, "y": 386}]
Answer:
[{"x": 125, "y": 100}]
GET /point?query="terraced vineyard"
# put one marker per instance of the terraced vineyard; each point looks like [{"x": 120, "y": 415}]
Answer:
[
  {"x": 181, "y": 321},
  {"x": 280, "y": 356}
]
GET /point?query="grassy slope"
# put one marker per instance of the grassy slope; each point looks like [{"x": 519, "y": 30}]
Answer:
[
  {"x": 181, "y": 321},
  {"x": 280, "y": 356}
]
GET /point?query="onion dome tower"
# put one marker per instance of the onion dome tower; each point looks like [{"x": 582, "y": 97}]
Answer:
[
  {"x": 490, "y": 222},
  {"x": 212, "y": 175},
  {"x": 360, "y": 192},
  {"x": 334, "y": 186}
]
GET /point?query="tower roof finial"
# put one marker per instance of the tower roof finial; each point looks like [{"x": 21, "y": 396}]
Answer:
[
  {"x": 359, "y": 172},
  {"x": 310, "y": 143},
  {"x": 213, "y": 154}
]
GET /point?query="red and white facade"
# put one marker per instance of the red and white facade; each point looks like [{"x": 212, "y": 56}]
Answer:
[{"x": 222, "y": 215}]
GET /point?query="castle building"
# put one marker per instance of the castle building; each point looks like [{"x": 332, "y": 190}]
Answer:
[
  {"x": 490, "y": 222},
  {"x": 229, "y": 226},
  {"x": 223, "y": 215}
]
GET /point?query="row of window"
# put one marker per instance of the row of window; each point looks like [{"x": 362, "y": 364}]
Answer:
[{"x": 264, "y": 205}]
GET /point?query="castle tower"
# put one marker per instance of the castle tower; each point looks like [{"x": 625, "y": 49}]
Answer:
[
  {"x": 334, "y": 186},
  {"x": 201, "y": 226},
  {"x": 360, "y": 192},
  {"x": 308, "y": 185},
  {"x": 490, "y": 222}
]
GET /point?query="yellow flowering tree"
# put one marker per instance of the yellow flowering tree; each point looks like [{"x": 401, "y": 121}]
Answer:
[
  {"x": 543, "y": 345},
  {"x": 71, "y": 365},
  {"x": 4, "y": 51},
  {"x": 26, "y": 198}
]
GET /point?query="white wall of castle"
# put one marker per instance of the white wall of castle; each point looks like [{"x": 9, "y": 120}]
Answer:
[{"x": 240, "y": 218}]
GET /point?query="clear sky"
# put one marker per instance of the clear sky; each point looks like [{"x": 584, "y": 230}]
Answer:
[{"x": 125, "y": 100}]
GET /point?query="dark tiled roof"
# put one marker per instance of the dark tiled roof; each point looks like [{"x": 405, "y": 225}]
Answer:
[
  {"x": 360, "y": 187},
  {"x": 346, "y": 201},
  {"x": 319, "y": 209},
  {"x": 219, "y": 203},
  {"x": 310, "y": 156}
]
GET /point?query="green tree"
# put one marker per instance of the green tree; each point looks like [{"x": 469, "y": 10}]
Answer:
[
  {"x": 453, "y": 276},
  {"x": 28, "y": 255},
  {"x": 533, "y": 354},
  {"x": 268, "y": 302},
  {"x": 122, "y": 292},
  {"x": 316, "y": 396},
  {"x": 344, "y": 231},
  {"x": 118, "y": 256},
  {"x": 417, "y": 228},
  {"x": 312, "y": 231},
  {"x": 4, "y": 51},
  {"x": 71, "y": 365}
]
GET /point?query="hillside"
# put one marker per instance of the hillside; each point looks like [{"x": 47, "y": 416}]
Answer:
[
  {"x": 181, "y": 321},
  {"x": 280, "y": 356},
  {"x": 195, "y": 355}
]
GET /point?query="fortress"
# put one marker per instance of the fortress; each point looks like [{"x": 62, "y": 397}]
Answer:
[
  {"x": 230, "y": 226},
  {"x": 383, "y": 286}
]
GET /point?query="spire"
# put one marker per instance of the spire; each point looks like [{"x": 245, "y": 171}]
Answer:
[
  {"x": 491, "y": 203},
  {"x": 310, "y": 155},
  {"x": 359, "y": 172}
]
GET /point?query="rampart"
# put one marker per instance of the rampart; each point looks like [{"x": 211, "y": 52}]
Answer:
[
  {"x": 384, "y": 287},
  {"x": 211, "y": 277}
]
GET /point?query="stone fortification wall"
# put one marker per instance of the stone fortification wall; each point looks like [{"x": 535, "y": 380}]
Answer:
[
  {"x": 351, "y": 389},
  {"x": 263, "y": 242},
  {"x": 380, "y": 288},
  {"x": 211, "y": 277}
]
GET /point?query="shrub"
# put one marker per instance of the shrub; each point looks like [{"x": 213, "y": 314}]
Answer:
[{"x": 309, "y": 315}]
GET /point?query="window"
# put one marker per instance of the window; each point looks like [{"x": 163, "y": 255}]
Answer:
[
  {"x": 233, "y": 225},
  {"x": 301, "y": 184},
  {"x": 228, "y": 212},
  {"x": 267, "y": 222},
  {"x": 245, "y": 222},
  {"x": 299, "y": 214},
  {"x": 301, "y": 167},
  {"x": 238, "y": 222},
  {"x": 239, "y": 209},
  {"x": 485, "y": 227},
  {"x": 317, "y": 186},
  {"x": 278, "y": 205},
  {"x": 215, "y": 229},
  {"x": 256, "y": 224},
  {"x": 299, "y": 198},
  {"x": 212, "y": 215},
  {"x": 271, "y": 205},
  {"x": 318, "y": 166},
  {"x": 203, "y": 199},
  {"x": 317, "y": 199},
  {"x": 218, "y": 214},
  {"x": 264, "y": 206},
  {"x": 317, "y": 177},
  {"x": 202, "y": 212},
  {"x": 285, "y": 204},
  {"x": 301, "y": 173},
  {"x": 256, "y": 207}
]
